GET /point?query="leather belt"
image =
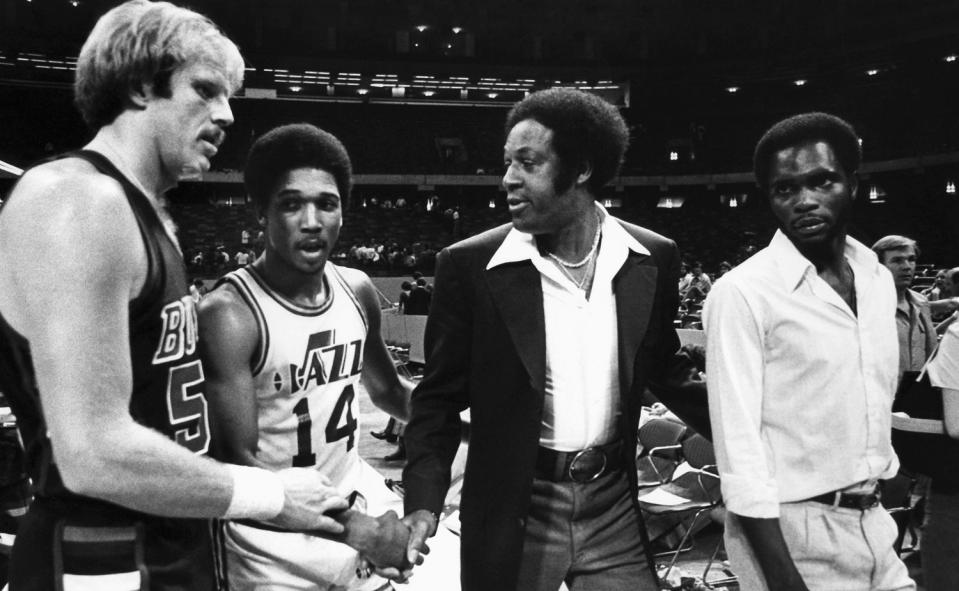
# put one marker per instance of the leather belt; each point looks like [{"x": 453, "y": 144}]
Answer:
[
  {"x": 580, "y": 466},
  {"x": 860, "y": 501}
]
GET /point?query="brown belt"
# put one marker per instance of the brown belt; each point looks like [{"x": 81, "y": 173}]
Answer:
[{"x": 581, "y": 466}]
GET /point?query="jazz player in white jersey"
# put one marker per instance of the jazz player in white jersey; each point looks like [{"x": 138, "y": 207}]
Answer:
[{"x": 286, "y": 341}]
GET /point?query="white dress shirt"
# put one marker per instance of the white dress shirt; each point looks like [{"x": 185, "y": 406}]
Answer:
[
  {"x": 944, "y": 368},
  {"x": 582, "y": 365},
  {"x": 800, "y": 387}
]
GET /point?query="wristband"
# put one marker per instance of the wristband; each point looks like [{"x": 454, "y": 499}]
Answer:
[{"x": 257, "y": 493}]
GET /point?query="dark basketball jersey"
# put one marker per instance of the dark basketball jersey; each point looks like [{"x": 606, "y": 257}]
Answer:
[{"x": 167, "y": 396}]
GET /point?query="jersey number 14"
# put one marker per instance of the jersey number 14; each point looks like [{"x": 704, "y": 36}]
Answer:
[{"x": 342, "y": 413}]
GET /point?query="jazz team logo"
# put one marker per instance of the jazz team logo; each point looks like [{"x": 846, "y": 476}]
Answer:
[{"x": 324, "y": 361}]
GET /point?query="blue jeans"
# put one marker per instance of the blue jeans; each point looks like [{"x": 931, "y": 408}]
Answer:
[{"x": 586, "y": 535}]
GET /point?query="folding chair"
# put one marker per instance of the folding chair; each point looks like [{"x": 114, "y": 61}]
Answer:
[
  {"x": 898, "y": 501},
  {"x": 661, "y": 451},
  {"x": 699, "y": 491}
]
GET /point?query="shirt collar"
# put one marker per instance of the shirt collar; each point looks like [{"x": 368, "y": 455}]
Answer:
[
  {"x": 521, "y": 246},
  {"x": 793, "y": 266}
]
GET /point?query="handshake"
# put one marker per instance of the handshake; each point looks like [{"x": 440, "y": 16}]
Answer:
[{"x": 392, "y": 546}]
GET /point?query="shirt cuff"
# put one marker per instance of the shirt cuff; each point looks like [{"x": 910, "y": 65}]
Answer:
[{"x": 750, "y": 497}]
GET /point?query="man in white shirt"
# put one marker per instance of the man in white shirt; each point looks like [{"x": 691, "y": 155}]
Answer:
[
  {"x": 802, "y": 358},
  {"x": 548, "y": 329}
]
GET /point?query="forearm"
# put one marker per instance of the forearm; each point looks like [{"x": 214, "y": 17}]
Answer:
[
  {"x": 395, "y": 401},
  {"x": 765, "y": 537},
  {"x": 138, "y": 468},
  {"x": 950, "y": 407},
  {"x": 942, "y": 307}
]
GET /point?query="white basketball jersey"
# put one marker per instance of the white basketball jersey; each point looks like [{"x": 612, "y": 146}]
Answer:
[{"x": 306, "y": 373}]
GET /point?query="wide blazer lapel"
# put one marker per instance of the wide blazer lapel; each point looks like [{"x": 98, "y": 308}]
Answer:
[
  {"x": 518, "y": 294},
  {"x": 635, "y": 290}
]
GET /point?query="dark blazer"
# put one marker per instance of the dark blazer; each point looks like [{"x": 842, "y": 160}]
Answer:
[{"x": 486, "y": 350}]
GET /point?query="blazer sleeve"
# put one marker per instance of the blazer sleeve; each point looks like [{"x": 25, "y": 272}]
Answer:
[
  {"x": 434, "y": 431},
  {"x": 676, "y": 380}
]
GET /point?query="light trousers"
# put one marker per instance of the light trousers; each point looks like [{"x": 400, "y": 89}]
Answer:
[{"x": 834, "y": 549}]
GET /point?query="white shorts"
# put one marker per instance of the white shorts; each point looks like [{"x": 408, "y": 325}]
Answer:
[{"x": 258, "y": 559}]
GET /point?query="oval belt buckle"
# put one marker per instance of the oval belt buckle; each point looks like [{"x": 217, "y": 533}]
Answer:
[{"x": 579, "y": 468}]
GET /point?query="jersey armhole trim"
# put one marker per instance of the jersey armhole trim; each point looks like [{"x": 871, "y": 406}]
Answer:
[
  {"x": 263, "y": 333},
  {"x": 349, "y": 291}
]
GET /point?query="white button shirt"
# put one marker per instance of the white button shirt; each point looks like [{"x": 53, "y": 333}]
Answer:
[
  {"x": 580, "y": 406},
  {"x": 800, "y": 387}
]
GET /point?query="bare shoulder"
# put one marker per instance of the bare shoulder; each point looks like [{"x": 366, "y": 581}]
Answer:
[
  {"x": 66, "y": 183},
  {"x": 223, "y": 313},
  {"x": 65, "y": 223},
  {"x": 69, "y": 201}
]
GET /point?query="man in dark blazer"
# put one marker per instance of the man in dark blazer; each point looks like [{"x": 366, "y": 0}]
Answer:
[{"x": 549, "y": 329}]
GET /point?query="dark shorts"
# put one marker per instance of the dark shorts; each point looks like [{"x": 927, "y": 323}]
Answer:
[{"x": 62, "y": 546}]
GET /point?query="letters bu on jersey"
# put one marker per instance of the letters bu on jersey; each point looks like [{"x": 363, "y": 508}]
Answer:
[
  {"x": 187, "y": 411},
  {"x": 179, "y": 331}
]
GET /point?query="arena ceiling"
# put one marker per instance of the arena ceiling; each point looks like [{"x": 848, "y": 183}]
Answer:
[{"x": 757, "y": 37}]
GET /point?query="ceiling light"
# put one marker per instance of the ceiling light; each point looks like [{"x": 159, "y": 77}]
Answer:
[
  {"x": 799, "y": 82},
  {"x": 457, "y": 30},
  {"x": 732, "y": 89},
  {"x": 421, "y": 28},
  {"x": 950, "y": 58},
  {"x": 871, "y": 72}
]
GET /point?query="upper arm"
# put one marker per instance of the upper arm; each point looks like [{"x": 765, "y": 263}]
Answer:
[
  {"x": 71, "y": 259},
  {"x": 228, "y": 342},
  {"x": 950, "y": 411},
  {"x": 379, "y": 376},
  {"x": 734, "y": 375},
  {"x": 448, "y": 338}
]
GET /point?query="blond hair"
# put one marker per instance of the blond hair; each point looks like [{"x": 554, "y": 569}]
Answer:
[{"x": 141, "y": 42}]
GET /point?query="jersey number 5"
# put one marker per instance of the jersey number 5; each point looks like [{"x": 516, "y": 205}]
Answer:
[
  {"x": 342, "y": 410},
  {"x": 188, "y": 409}
]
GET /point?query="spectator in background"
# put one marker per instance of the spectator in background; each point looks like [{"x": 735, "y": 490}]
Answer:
[
  {"x": 945, "y": 307},
  {"x": 917, "y": 341},
  {"x": 418, "y": 302},
  {"x": 699, "y": 286},
  {"x": 940, "y": 532},
  {"x": 932, "y": 292},
  {"x": 405, "y": 288},
  {"x": 197, "y": 289},
  {"x": 724, "y": 267},
  {"x": 917, "y": 333},
  {"x": 242, "y": 257},
  {"x": 685, "y": 277}
]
